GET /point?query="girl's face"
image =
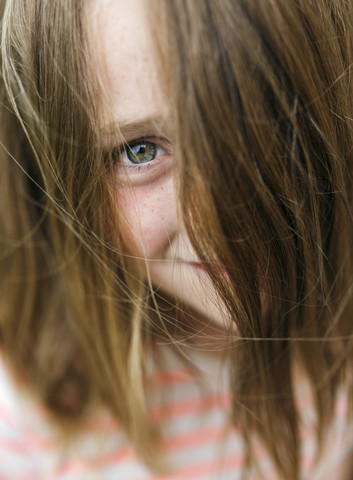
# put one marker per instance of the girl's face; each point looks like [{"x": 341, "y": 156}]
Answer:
[{"x": 147, "y": 195}]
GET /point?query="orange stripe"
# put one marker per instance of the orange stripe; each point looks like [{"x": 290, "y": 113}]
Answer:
[
  {"x": 26, "y": 435},
  {"x": 194, "y": 439},
  {"x": 7, "y": 416},
  {"x": 108, "y": 461},
  {"x": 235, "y": 460},
  {"x": 159, "y": 413},
  {"x": 179, "y": 375},
  {"x": 230, "y": 463},
  {"x": 9, "y": 445}
]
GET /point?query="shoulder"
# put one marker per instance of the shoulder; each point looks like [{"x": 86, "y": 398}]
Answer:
[
  {"x": 23, "y": 431},
  {"x": 337, "y": 441},
  {"x": 32, "y": 448}
]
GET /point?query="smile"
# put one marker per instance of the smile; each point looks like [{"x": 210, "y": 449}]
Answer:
[{"x": 195, "y": 265}]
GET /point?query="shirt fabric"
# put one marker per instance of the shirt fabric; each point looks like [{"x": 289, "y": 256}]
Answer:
[{"x": 200, "y": 442}]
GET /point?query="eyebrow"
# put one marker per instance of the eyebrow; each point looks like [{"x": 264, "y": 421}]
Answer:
[{"x": 128, "y": 129}]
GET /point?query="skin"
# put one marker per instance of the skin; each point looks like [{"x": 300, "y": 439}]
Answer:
[{"x": 147, "y": 196}]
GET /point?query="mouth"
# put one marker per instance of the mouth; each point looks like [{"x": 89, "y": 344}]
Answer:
[
  {"x": 200, "y": 269},
  {"x": 196, "y": 266}
]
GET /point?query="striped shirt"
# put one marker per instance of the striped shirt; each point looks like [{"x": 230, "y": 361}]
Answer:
[{"x": 200, "y": 443}]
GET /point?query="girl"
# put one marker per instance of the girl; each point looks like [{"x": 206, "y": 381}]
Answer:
[{"x": 176, "y": 239}]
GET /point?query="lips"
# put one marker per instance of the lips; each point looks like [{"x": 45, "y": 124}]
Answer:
[{"x": 195, "y": 265}]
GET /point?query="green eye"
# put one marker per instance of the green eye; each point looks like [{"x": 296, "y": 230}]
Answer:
[{"x": 139, "y": 153}]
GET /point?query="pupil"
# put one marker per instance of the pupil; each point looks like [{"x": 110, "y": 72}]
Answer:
[{"x": 142, "y": 153}]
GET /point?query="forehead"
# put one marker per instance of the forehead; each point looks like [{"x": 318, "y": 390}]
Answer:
[{"x": 120, "y": 34}]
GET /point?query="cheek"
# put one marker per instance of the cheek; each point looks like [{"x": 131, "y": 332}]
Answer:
[{"x": 150, "y": 216}]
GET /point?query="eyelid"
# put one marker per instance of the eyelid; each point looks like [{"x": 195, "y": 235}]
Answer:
[
  {"x": 158, "y": 141},
  {"x": 149, "y": 172}
]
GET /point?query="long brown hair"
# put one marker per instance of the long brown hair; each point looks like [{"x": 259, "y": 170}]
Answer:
[
  {"x": 71, "y": 303},
  {"x": 263, "y": 103}
]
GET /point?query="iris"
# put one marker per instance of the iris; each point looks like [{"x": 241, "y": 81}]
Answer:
[{"x": 138, "y": 153}]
